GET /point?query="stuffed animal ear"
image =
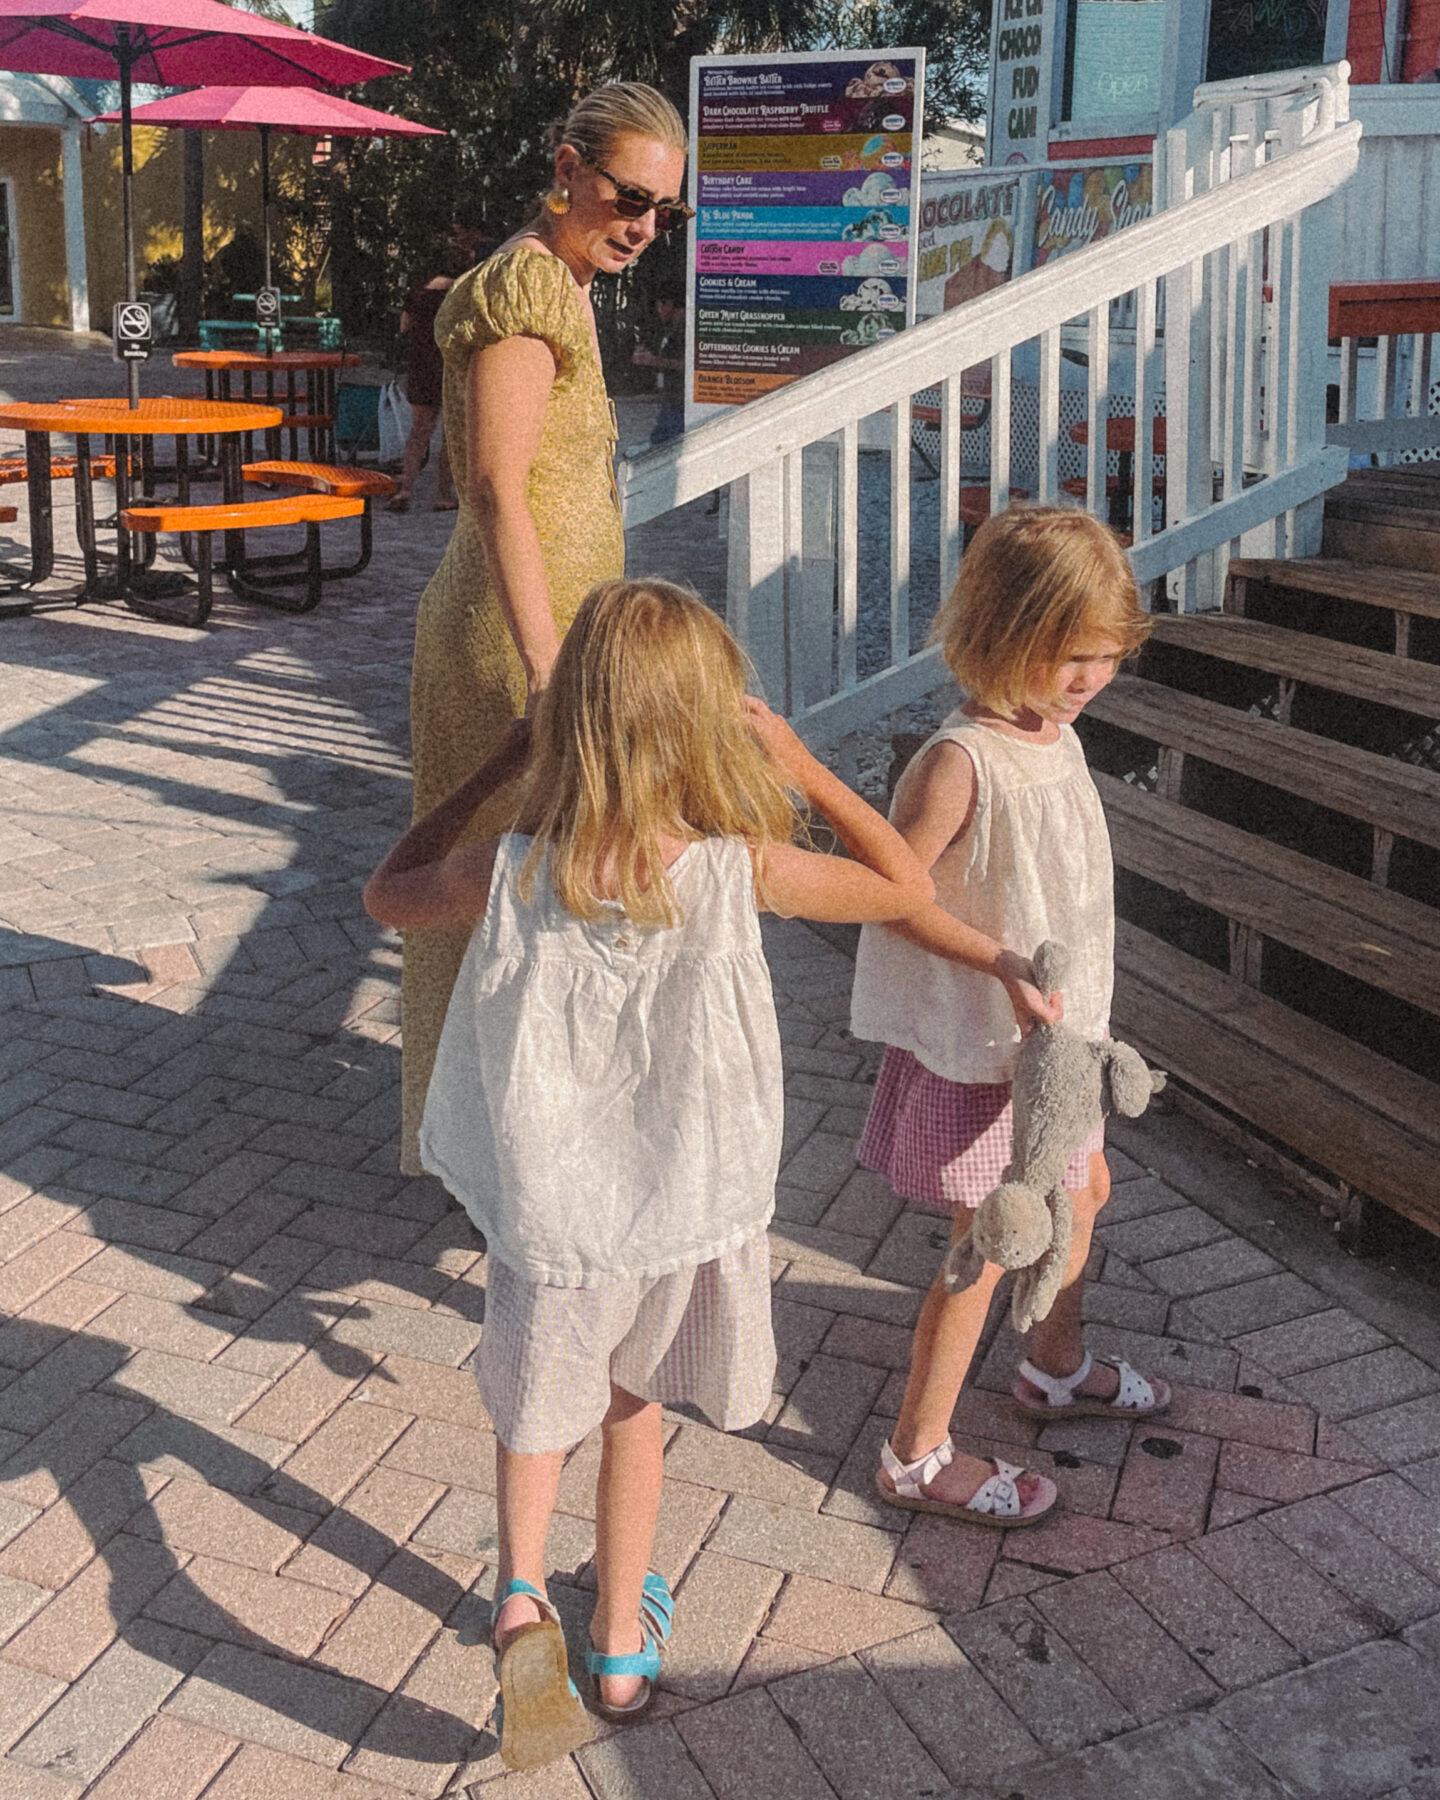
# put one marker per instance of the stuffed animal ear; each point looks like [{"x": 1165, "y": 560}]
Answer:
[
  {"x": 962, "y": 1265},
  {"x": 1051, "y": 963},
  {"x": 1130, "y": 1080}
]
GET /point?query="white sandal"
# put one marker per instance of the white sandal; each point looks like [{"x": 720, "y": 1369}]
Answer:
[
  {"x": 1138, "y": 1396},
  {"x": 995, "y": 1502}
]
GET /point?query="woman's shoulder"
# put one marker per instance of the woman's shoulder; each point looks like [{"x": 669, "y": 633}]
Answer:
[{"x": 522, "y": 291}]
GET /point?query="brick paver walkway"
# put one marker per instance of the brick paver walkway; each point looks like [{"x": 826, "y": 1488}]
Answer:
[{"x": 245, "y": 1478}]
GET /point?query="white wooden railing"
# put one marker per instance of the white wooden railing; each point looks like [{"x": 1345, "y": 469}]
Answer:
[{"x": 1236, "y": 265}]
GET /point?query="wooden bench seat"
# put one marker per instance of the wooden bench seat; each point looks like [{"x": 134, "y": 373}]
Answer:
[
  {"x": 1300, "y": 657},
  {"x": 1406, "y": 593},
  {"x": 1364, "y": 1118},
  {"x": 1384, "y": 939},
  {"x": 309, "y": 510},
  {"x": 346, "y": 479},
  {"x": 1393, "y": 797}
]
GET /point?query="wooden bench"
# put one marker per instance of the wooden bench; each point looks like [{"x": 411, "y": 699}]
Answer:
[
  {"x": 1298, "y": 658},
  {"x": 309, "y": 510},
  {"x": 1407, "y": 593},
  {"x": 1396, "y": 522},
  {"x": 1368, "y": 1121},
  {"x": 1267, "y": 891},
  {"x": 1392, "y": 797},
  {"x": 349, "y": 481}
]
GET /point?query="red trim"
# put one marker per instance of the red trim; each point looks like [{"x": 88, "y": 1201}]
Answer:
[
  {"x": 1422, "y": 39},
  {"x": 1383, "y": 308},
  {"x": 1089, "y": 147}
]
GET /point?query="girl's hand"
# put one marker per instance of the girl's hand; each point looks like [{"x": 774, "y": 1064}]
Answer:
[
  {"x": 777, "y": 738},
  {"x": 1030, "y": 1006}
]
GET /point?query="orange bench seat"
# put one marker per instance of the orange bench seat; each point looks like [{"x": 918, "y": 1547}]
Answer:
[
  {"x": 289, "y": 509},
  {"x": 348, "y": 480}
]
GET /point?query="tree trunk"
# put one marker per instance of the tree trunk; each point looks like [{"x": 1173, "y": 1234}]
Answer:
[{"x": 192, "y": 258}]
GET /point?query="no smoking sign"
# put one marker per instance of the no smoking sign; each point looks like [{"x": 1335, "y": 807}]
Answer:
[{"x": 132, "y": 330}]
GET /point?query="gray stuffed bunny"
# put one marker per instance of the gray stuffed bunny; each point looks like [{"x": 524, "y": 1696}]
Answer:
[{"x": 1064, "y": 1085}]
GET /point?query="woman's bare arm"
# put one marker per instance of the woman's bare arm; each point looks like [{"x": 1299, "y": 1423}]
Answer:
[{"x": 507, "y": 391}]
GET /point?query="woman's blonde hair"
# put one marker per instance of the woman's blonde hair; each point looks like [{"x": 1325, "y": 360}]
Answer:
[
  {"x": 1034, "y": 580},
  {"x": 642, "y": 734},
  {"x": 606, "y": 113}
]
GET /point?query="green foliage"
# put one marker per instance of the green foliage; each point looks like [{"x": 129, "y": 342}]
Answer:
[{"x": 494, "y": 74}]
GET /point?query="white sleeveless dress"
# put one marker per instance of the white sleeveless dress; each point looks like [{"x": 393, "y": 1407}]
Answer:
[{"x": 1034, "y": 864}]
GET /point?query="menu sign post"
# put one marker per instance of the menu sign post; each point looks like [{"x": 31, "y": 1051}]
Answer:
[{"x": 802, "y": 248}]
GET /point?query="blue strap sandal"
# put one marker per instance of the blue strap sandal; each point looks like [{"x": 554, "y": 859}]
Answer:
[
  {"x": 538, "y": 1715},
  {"x": 657, "y": 1612}
]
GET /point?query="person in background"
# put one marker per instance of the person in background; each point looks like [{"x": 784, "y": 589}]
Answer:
[
  {"x": 668, "y": 358},
  {"x": 470, "y": 240}
]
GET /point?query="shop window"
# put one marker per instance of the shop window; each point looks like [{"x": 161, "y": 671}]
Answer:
[
  {"x": 1115, "y": 50},
  {"x": 1250, "y": 39}
]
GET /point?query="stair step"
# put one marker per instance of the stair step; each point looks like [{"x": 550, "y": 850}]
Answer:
[
  {"x": 1368, "y": 1121},
  {"x": 1397, "y": 590},
  {"x": 1384, "y": 939},
  {"x": 1377, "y": 789},
  {"x": 1396, "y": 681},
  {"x": 1384, "y": 506}
]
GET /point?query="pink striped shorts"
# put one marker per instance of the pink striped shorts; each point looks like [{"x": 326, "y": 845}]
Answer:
[{"x": 945, "y": 1144}]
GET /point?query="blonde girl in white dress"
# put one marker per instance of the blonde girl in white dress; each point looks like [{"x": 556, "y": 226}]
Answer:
[
  {"x": 607, "y": 1099},
  {"x": 1000, "y": 806}
]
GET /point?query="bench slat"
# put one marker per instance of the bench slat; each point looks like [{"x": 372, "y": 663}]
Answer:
[
  {"x": 289, "y": 509},
  {"x": 1378, "y": 789},
  {"x": 1383, "y": 938},
  {"x": 1365, "y": 1119},
  {"x": 1316, "y": 661},
  {"x": 1395, "y": 590}
]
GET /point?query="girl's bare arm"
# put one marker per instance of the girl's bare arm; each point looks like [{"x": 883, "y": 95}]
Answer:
[
  {"x": 507, "y": 391},
  {"x": 884, "y": 882},
  {"x": 425, "y": 880}
]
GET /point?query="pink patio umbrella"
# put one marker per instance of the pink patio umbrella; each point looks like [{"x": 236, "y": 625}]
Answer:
[
  {"x": 303, "y": 111},
  {"x": 169, "y": 43}
]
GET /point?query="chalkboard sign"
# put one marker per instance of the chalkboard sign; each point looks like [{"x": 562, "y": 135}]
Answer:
[{"x": 1252, "y": 37}]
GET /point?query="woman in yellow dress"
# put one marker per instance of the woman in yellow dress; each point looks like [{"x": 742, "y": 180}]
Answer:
[{"x": 532, "y": 436}]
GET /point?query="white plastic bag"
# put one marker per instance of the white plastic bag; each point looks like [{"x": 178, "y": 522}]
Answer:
[{"x": 395, "y": 421}]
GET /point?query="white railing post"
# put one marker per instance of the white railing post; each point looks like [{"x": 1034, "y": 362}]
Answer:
[{"x": 755, "y": 573}]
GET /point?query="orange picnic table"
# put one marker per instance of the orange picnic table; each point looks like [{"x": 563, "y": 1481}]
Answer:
[
  {"x": 313, "y": 412},
  {"x": 133, "y": 431}
]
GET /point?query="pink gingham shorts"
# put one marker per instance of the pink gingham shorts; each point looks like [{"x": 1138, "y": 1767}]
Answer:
[{"x": 945, "y": 1144}]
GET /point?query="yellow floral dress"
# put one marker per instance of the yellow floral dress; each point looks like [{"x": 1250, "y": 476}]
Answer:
[{"x": 468, "y": 682}]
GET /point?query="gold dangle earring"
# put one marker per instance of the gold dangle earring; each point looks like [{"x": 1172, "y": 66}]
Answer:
[{"x": 557, "y": 201}]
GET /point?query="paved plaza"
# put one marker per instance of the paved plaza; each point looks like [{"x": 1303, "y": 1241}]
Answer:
[{"x": 246, "y": 1511}]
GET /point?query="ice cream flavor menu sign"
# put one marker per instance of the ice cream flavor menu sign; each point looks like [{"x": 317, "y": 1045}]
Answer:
[{"x": 802, "y": 248}]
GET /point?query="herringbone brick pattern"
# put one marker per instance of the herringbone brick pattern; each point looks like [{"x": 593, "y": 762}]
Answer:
[{"x": 246, "y": 1507}]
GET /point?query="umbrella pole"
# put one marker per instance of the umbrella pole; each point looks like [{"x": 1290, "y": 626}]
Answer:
[
  {"x": 127, "y": 181},
  {"x": 265, "y": 195}
]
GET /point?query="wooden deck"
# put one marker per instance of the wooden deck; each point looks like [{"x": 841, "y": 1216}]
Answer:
[{"x": 1313, "y": 1016}]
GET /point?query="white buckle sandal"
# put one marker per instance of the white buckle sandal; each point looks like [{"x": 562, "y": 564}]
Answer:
[
  {"x": 1136, "y": 1397},
  {"x": 995, "y": 1502}
]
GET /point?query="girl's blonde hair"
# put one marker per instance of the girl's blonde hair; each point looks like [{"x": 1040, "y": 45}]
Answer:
[
  {"x": 1034, "y": 580},
  {"x": 643, "y": 734},
  {"x": 606, "y": 113}
]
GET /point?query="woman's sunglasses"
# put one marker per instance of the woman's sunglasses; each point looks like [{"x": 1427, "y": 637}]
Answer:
[{"x": 634, "y": 203}]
